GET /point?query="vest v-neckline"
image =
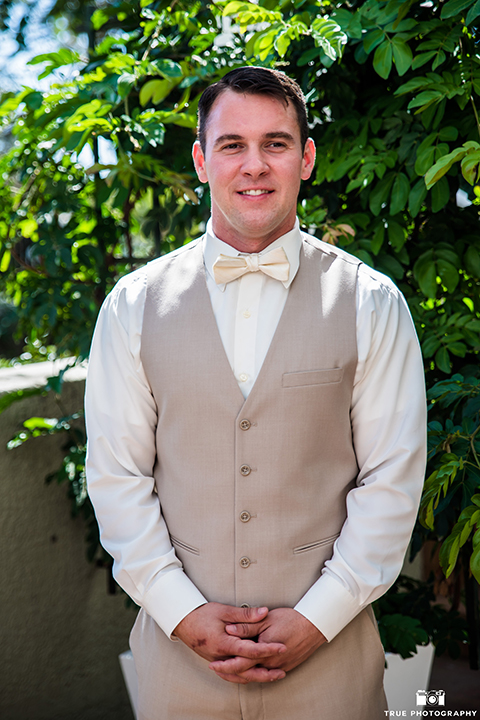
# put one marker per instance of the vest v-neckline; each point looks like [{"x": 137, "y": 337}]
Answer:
[{"x": 289, "y": 308}]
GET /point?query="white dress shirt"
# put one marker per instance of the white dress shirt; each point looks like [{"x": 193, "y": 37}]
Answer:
[{"x": 388, "y": 418}]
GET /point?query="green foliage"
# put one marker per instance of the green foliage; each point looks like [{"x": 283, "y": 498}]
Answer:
[
  {"x": 407, "y": 616},
  {"x": 450, "y": 506}
]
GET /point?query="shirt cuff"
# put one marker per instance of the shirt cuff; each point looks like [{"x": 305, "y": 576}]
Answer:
[
  {"x": 329, "y": 606},
  {"x": 171, "y": 599}
]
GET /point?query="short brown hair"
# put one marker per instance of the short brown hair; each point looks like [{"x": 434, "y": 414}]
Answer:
[{"x": 254, "y": 80}]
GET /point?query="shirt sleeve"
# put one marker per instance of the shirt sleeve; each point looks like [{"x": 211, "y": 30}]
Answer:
[
  {"x": 121, "y": 421},
  {"x": 388, "y": 418}
]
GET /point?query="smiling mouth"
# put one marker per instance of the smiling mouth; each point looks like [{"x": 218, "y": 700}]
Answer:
[{"x": 255, "y": 192}]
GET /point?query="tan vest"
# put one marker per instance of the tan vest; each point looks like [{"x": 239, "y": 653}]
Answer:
[{"x": 253, "y": 491}]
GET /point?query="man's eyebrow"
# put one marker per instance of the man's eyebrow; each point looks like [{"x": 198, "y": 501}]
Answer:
[
  {"x": 224, "y": 138},
  {"x": 278, "y": 134}
]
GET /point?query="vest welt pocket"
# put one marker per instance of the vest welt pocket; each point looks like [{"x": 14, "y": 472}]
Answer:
[
  {"x": 312, "y": 546},
  {"x": 184, "y": 546},
  {"x": 312, "y": 377}
]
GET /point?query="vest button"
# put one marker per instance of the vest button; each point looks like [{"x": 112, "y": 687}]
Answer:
[
  {"x": 245, "y": 424},
  {"x": 245, "y": 605},
  {"x": 245, "y": 470},
  {"x": 245, "y": 562},
  {"x": 245, "y": 516}
]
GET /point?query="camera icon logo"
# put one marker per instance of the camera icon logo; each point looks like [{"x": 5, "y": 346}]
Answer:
[{"x": 430, "y": 698}]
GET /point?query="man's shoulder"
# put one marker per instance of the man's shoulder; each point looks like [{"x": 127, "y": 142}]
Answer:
[
  {"x": 181, "y": 253},
  {"x": 328, "y": 249},
  {"x": 366, "y": 275}
]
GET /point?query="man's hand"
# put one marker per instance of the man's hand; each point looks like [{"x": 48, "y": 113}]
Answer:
[
  {"x": 203, "y": 630},
  {"x": 283, "y": 625}
]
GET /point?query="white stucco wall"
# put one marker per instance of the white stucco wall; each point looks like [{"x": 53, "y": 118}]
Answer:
[{"x": 60, "y": 632}]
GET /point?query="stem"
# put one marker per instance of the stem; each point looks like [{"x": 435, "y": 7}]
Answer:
[
  {"x": 472, "y": 445},
  {"x": 475, "y": 113}
]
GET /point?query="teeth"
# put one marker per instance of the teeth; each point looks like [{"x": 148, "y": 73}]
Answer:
[{"x": 255, "y": 192}]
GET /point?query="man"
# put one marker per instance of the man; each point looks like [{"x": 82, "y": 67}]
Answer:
[{"x": 256, "y": 422}]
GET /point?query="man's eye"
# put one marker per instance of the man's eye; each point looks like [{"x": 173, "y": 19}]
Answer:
[
  {"x": 276, "y": 145},
  {"x": 231, "y": 146}
]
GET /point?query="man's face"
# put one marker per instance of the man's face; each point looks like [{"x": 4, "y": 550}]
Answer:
[{"x": 253, "y": 162}]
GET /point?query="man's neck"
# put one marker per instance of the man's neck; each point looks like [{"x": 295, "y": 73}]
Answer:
[{"x": 251, "y": 245}]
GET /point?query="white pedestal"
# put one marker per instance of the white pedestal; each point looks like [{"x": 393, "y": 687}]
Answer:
[{"x": 404, "y": 677}]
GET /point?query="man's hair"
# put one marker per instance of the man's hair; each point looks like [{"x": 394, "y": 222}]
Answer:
[{"x": 254, "y": 80}]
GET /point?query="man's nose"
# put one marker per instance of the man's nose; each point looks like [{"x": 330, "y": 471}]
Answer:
[{"x": 254, "y": 164}]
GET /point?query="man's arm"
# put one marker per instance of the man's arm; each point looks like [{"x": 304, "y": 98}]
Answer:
[
  {"x": 389, "y": 432},
  {"x": 121, "y": 420}
]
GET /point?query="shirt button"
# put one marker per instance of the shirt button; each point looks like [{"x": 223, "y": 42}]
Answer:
[
  {"x": 243, "y": 377},
  {"x": 245, "y": 470},
  {"x": 247, "y": 314},
  {"x": 245, "y": 605},
  {"x": 245, "y": 424},
  {"x": 245, "y": 562},
  {"x": 245, "y": 516}
]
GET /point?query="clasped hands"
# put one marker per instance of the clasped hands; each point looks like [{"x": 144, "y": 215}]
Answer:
[{"x": 246, "y": 645}]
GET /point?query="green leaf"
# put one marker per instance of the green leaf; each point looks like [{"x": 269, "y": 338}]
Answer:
[
  {"x": 372, "y": 39},
  {"x": 473, "y": 13},
  {"x": 418, "y": 193},
  {"x": 475, "y": 563},
  {"x": 471, "y": 259},
  {"x": 448, "y": 134},
  {"x": 400, "y": 192},
  {"x": 470, "y": 166},
  {"x": 442, "y": 360},
  {"x": 442, "y": 166},
  {"x": 282, "y": 43},
  {"x": 440, "y": 194},
  {"x": 380, "y": 193},
  {"x": 402, "y": 55},
  {"x": 440, "y": 58},
  {"x": 378, "y": 237},
  {"x": 425, "y": 98},
  {"x": 125, "y": 83},
  {"x": 427, "y": 279},
  {"x": 457, "y": 348},
  {"x": 396, "y": 235},
  {"x": 454, "y": 7},
  {"x": 424, "y": 160},
  {"x": 154, "y": 90},
  {"x": 5, "y": 264},
  {"x": 40, "y": 423},
  {"x": 382, "y": 60},
  {"x": 169, "y": 69},
  {"x": 422, "y": 59}
]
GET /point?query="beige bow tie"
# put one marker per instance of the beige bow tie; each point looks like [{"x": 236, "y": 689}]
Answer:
[{"x": 274, "y": 264}]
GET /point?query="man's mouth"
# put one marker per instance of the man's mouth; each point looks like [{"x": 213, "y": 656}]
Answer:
[{"x": 255, "y": 192}]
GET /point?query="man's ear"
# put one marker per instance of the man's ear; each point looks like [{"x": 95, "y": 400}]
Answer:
[
  {"x": 308, "y": 160},
  {"x": 199, "y": 162}
]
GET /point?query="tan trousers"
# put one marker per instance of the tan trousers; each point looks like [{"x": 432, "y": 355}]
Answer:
[{"x": 176, "y": 684}]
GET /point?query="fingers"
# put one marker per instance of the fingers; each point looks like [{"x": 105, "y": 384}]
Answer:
[
  {"x": 253, "y": 650},
  {"x": 244, "y": 615},
  {"x": 254, "y": 674}
]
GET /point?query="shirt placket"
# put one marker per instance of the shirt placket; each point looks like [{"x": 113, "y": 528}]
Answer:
[{"x": 246, "y": 321}]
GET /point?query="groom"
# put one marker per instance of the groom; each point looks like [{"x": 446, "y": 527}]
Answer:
[{"x": 256, "y": 421}]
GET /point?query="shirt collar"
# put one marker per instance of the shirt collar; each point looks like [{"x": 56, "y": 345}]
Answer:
[{"x": 291, "y": 243}]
